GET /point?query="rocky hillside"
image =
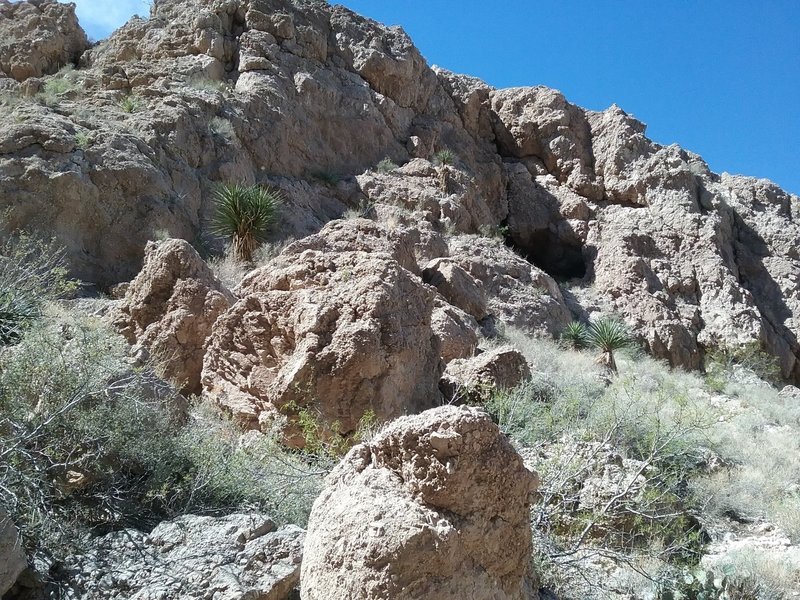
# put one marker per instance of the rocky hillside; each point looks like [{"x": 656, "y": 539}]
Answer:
[
  {"x": 435, "y": 233},
  {"x": 310, "y": 97}
]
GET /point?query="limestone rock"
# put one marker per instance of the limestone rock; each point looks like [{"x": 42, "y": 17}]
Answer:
[
  {"x": 539, "y": 123},
  {"x": 475, "y": 379},
  {"x": 12, "y": 557},
  {"x": 457, "y": 286},
  {"x": 518, "y": 293},
  {"x": 169, "y": 309},
  {"x": 38, "y": 37},
  {"x": 337, "y": 333},
  {"x": 457, "y": 331},
  {"x": 236, "y": 557},
  {"x": 435, "y": 507}
]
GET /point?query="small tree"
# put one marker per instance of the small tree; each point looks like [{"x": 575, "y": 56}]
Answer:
[
  {"x": 575, "y": 335},
  {"x": 608, "y": 335},
  {"x": 245, "y": 214}
]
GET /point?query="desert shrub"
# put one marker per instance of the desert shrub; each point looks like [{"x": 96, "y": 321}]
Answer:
[
  {"x": 61, "y": 84},
  {"x": 575, "y": 335},
  {"x": 387, "y": 165},
  {"x": 245, "y": 214},
  {"x": 82, "y": 141},
  {"x": 723, "y": 363},
  {"x": 498, "y": 232},
  {"x": 88, "y": 444},
  {"x": 32, "y": 271},
  {"x": 130, "y": 103},
  {"x": 206, "y": 84},
  {"x": 222, "y": 129},
  {"x": 444, "y": 157}
]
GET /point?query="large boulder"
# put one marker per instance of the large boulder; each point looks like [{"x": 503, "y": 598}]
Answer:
[
  {"x": 38, "y": 37},
  {"x": 335, "y": 334},
  {"x": 476, "y": 379},
  {"x": 436, "y": 507},
  {"x": 518, "y": 293},
  {"x": 12, "y": 556},
  {"x": 169, "y": 309},
  {"x": 236, "y": 557}
]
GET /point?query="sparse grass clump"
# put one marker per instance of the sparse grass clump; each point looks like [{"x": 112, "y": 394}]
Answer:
[
  {"x": 387, "y": 165},
  {"x": 245, "y": 214}
]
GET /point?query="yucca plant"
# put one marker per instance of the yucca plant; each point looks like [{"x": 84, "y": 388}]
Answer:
[
  {"x": 245, "y": 214},
  {"x": 608, "y": 335},
  {"x": 444, "y": 157},
  {"x": 575, "y": 335}
]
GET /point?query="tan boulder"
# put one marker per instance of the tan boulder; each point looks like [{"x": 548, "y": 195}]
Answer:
[
  {"x": 518, "y": 293},
  {"x": 457, "y": 286},
  {"x": 169, "y": 310},
  {"x": 457, "y": 331},
  {"x": 436, "y": 507},
  {"x": 12, "y": 557},
  {"x": 335, "y": 333},
  {"x": 475, "y": 379},
  {"x": 38, "y": 37}
]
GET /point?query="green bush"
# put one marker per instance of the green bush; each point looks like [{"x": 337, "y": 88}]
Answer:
[
  {"x": 387, "y": 165},
  {"x": 245, "y": 214},
  {"x": 575, "y": 335},
  {"x": 88, "y": 444},
  {"x": 444, "y": 157},
  {"x": 722, "y": 362},
  {"x": 32, "y": 272}
]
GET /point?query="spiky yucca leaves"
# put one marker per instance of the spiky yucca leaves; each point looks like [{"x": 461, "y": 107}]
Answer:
[
  {"x": 608, "y": 335},
  {"x": 245, "y": 214},
  {"x": 575, "y": 335},
  {"x": 32, "y": 272},
  {"x": 444, "y": 157}
]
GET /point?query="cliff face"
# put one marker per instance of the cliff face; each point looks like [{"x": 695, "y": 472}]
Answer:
[{"x": 309, "y": 97}]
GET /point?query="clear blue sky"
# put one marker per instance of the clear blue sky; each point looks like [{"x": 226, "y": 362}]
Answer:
[{"x": 719, "y": 77}]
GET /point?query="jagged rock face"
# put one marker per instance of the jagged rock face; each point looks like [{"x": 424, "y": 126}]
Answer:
[
  {"x": 518, "y": 293},
  {"x": 435, "y": 507},
  {"x": 299, "y": 94},
  {"x": 340, "y": 333},
  {"x": 474, "y": 379},
  {"x": 457, "y": 331},
  {"x": 169, "y": 309},
  {"x": 12, "y": 558},
  {"x": 38, "y": 37},
  {"x": 236, "y": 557}
]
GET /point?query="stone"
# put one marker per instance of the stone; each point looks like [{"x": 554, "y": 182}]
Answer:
[
  {"x": 475, "y": 379},
  {"x": 457, "y": 286},
  {"x": 457, "y": 331},
  {"x": 38, "y": 38},
  {"x": 435, "y": 507},
  {"x": 169, "y": 309},
  {"x": 236, "y": 557},
  {"x": 335, "y": 334},
  {"x": 12, "y": 556}
]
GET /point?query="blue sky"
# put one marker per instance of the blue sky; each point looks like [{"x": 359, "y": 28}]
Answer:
[{"x": 719, "y": 77}]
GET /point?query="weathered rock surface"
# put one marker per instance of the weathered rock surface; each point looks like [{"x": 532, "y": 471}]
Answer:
[
  {"x": 38, "y": 37},
  {"x": 237, "y": 557},
  {"x": 310, "y": 97},
  {"x": 339, "y": 332},
  {"x": 475, "y": 379},
  {"x": 169, "y": 309},
  {"x": 457, "y": 331},
  {"x": 457, "y": 286},
  {"x": 12, "y": 557},
  {"x": 435, "y": 507}
]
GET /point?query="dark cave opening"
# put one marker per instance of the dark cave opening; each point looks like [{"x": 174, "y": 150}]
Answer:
[{"x": 559, "y": 259}]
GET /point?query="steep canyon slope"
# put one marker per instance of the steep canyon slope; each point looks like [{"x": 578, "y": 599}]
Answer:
[{"x": 310, "y": 97}]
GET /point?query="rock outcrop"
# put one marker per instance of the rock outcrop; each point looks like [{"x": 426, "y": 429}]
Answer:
[
  {"x": 237, "y": 557},
  {"x": 435, "y": 507},
  {"x": 475, "y": 379},
  {"x": 335, "y": 333},
  {"x": 38, "y": 38},
  {"x": 310, "y": 98},
  {"x": 12, "y": 557},
  {"x": 169, "y": 310}
]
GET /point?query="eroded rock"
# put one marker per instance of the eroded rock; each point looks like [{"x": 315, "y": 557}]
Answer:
[
  {"x": 169, "y": 309},
  {"x": 435, "y": 507}
]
